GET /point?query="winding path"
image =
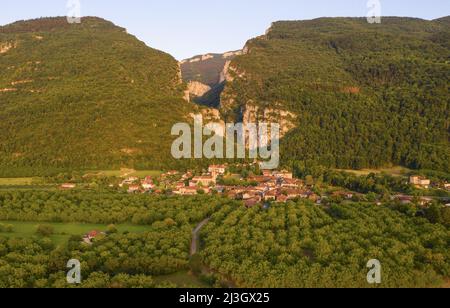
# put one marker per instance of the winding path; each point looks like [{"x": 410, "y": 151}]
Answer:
[{"x": 196, "y": 236}]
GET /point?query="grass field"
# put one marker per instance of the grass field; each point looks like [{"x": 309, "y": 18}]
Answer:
[
  {"x": 127, "y": 172},
  {"x": 393, "y": 171},
  {"x": 17, "y": 181},
  {"x": 38, "y": 182},
  {"x": 63, "y": 231}
]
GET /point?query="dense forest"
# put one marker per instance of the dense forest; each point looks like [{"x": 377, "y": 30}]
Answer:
[
  {"x": 302, "y": 245},
  {"x": 365, "y": 95},
  {"x": 85, "y": 95}
]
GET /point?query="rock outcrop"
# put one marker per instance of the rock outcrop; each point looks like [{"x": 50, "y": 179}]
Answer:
[
  {"x": 5, "y": 47},
  {"x": 254, "y": 114},
  {"x": 197, "y": 88}
]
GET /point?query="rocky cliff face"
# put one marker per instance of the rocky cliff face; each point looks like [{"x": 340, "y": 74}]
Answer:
[
  {"x": 254, "y": 114},
  {"x": 205, "y": 76},
  {"x": 208, "y": 68},
  {"x": 198, "y": 89},
  {"x": 248, "y": 111}
]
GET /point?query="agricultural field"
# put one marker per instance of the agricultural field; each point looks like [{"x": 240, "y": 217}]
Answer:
[
  {"x": 126, "y": 173},
  {"x": 17, "y": 181},
  {"x": 393, "y": 171}
]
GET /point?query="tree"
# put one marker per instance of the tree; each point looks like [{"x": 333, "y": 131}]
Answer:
[
  {"x": 434, "y": 214},
  {"x": 309, "y": 180},
  {"x": 111, "y": 229},
  {"x": 446, "y": 216},
  {"x": 45, "y": 230}
]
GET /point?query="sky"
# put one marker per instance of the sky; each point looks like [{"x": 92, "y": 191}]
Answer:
[{"x": 185, "y": 28}]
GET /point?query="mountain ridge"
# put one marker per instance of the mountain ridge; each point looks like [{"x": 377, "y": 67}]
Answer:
[{"x": 85, "y": 96}]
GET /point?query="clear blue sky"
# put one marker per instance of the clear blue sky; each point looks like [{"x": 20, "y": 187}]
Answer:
[{"x": 185, "y": 28}]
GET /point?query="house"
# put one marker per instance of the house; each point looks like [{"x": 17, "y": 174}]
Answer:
[
  {"x": 220, "y": 189},
  {"x": 179, "y": 185},
  {"x": 261, "y": 188},
  {"x": 251, "y": 203},
  {"x": 148, "y": 184},
  {"x": 134, "y": 189},
  {"x": 290, "y": 183},
  {"x": 237, "y": 189},
  {"x": 204, "y": 180},
  {"x": 272, "y": 183},
  {"x": 217, "y": 169},
  {"x": 89, "y": 237},
  {"x": 250, "y": 193},
  {"x": 282, "y": 198},
  {"x": 93, "y": 234},
  {"x": 271, "y": 195},
  {"x": 343, "y": 194},
  {"x": 129, "y": 181},
  {"x": 284, "y": 175},
  {"x": 294, "y": 194},
  {"x": 420, "y": 182},
  {"x": 187, "y": 176},
  {"x": 267, "y": 173},
  {"x": 424, "y": 201},
  {"x": 188, "y": 191},
  {"x": 404, "y": 199},
  {"x": 259, "y": 179},
  {"x": 68, "y": 186}
]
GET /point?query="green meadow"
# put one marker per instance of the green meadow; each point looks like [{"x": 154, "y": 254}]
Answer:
[
  {"x": 393, "y": 171},
  {"x": 63, "y": 231}
]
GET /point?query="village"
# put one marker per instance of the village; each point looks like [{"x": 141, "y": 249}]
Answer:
[{"x": 269, "y": 186}]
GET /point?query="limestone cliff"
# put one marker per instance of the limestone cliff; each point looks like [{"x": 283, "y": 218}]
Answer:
[{"x": 197, "y": 88}]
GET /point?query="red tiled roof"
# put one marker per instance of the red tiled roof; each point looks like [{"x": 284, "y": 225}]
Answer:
[{"x": 93, "y": 234}]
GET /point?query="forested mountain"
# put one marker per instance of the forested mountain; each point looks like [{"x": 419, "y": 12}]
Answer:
[
  {"x": 357, "y": 94},
  {"x": 348, "y": 94},
  {"x": 85, "y": 95}
]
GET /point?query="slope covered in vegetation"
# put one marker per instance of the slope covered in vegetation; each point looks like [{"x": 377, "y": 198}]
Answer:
[
  {"x": 365, "y": 95},
  {"x": 85, "y": 95}
]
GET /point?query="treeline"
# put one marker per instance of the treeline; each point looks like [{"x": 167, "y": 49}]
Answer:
[{"x": 104, "y": 208}]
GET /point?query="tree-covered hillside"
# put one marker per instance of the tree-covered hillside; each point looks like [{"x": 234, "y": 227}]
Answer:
[
  {"x": 85, "y": 95},
  {"x": 365, "y": 95}
]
